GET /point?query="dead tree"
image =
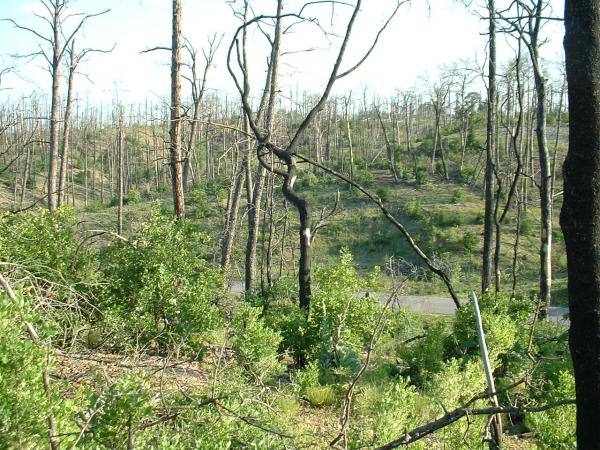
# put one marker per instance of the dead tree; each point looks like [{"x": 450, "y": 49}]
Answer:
[
  {"x": 198, "y": 85},
  {"x": 580, "y": 214},
  {"x": 59, "y": 40},
  {"x": 285, "y": 164},
  {"x": 175, "y": 128},
  {"x": 526, "y": 18}
]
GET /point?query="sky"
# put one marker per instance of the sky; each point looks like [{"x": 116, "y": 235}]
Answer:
[{"x": 422, "y": 38}]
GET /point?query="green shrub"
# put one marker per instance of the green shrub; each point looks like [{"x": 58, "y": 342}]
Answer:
[
  {"x": 308, "y": 376},
  {"x": 479, "y": 218},
  {"x": 527, "y": 225},
  {"x": 134, "y": 196},
  {"x": 23, "y": 403},
  {"x": 364, "y": 177},
  {"x": 320, "y": 396},
  {"x": 47, "y": 245},
  {"x": 198, "y": 199},
  {"x": 255, "y": 345},
  {"x": 505, "y": 323},
  {"x": 445, "y": 218},
  {"x": 425, "y": 356},
  {"x": 414, "y": 209},
  {"x": 458, "y": 195},
  {"x": 340, "y": 323},
  {"x": 118, "y": 407},
  {"x": 159, "y": 287},
  {"x": 392, "y": 410},
  {"x": 306, "y": 180},
  {"x": 470, "y": 241},
  {"x": 384, "y": 194},
  {"x": 421, "y": 175},
  {"x": 556, "y": 427}
]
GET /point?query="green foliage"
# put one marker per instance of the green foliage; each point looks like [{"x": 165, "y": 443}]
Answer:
[
  {"x": 556, "y": 427},
  {"x": 134, "y": 196},
  {"x": 470, "y": 241},
  {"x": 480, "y": 218},
  {"x": 320, "y": 396},
  {"x": 457, "y": 382},
  {"x": 527, "y": 225},
  {"x": 119, "y": 407},
  {"x": 198, "y": 199},
  {"x": 159, "y": 286},
  {"x": 364, "y": 177},
  {"x": 448, "y": 218},
  {"x": 414, "y": 210},
  {"x": 458, "y": 195},
  {"x": 421, "y": 175},
  {"x": 46, "y": 244},
  {"x": 384, "y": 194},
  {"x": 255, "y": 345},
  {"x": 393, "y": 409},
  {"x": 505, "y": 323},
  {"x": 23, "y": 403},
  {"x": 308, "y": 376},
  {"x": 340, "y": 323},
  {"x": 425, "y": 356}
]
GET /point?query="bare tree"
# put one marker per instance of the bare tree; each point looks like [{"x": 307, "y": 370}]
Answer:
[
  {"x": 59, "y": 39},
  {"x": 285, "y": 164},
  {"x": 175, "y": 128}
]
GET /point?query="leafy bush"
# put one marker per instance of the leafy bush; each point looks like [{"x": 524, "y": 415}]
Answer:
[
  {"x": 425, "y": 356},
  {"x": 414, "y": 210},
  {"x": 384, "y": 194},
  {"x": 255, "y": 345},
  {"x": 159, "y": 285},
  {"x": 527, "y": 225},
  {"x": 556, "y": 426},
  {"x": 47, "y": 245},
  {"x": 505, "y": 322},
  {"x": 445, "y": 218},
  {"x": 458, "y": 195},
  {"x": 320, "y": 396},
  {"x": 134, "y": 196},
  {"x": 393, "y": 410},
  {"x": 198, "y": 199},
  {"x": 364, "y": 177},
  {"x": 470, "y": 241},
  {"x": 119, "y": 407},
  {"x": 340, "y": 323},
  {"x": 421, "y": 175},
  {"x": 23, "y": 403}
]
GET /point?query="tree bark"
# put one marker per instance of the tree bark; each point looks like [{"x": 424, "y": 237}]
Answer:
[
  {"x": 175, "y": 130},
  {"x": 580, "y": 214},
  {"x": 55, "y": 69},
  {"x": 488, "y": 230},
  {"x": 64, "y": 157}
]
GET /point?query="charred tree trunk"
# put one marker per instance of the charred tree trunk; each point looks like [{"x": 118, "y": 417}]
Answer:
[
  {"x": 580, "y": 214},
  {"x": 488, "y": 227}
]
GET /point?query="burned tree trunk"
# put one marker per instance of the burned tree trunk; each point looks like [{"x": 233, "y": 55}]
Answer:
[{"x": 580, "y": 214}]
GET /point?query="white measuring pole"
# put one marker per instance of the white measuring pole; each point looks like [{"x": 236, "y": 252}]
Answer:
[{"x": 487, "y": 367}]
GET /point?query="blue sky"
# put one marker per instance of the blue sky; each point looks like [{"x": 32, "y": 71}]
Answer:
[{"x": 419, "y": 40}]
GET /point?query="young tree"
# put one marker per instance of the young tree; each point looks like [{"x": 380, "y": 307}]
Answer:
[{"x": 580, "y": 214}]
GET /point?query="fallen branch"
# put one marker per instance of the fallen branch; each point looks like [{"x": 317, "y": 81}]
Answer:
[
  {"x": 452, "y": 416},
  {"x": 375, "y": 199}
]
